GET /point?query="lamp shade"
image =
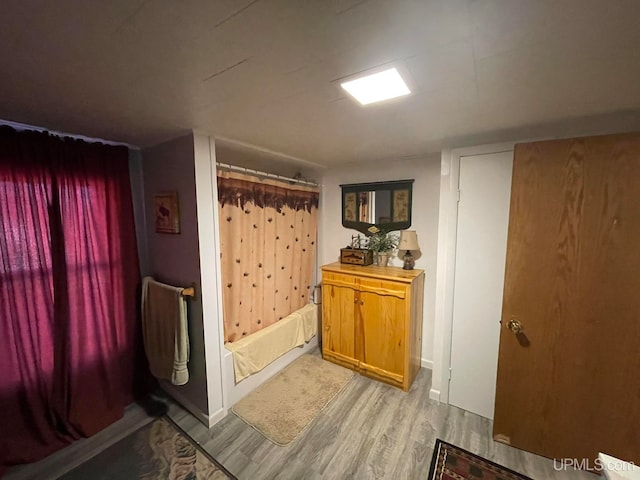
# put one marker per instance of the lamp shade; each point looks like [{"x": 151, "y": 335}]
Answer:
[{"x": 408, "y": 240}]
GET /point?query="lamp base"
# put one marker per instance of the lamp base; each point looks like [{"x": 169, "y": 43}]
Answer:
[{"x": 409, "y": 261}]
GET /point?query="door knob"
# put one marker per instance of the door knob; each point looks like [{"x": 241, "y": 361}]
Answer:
[{"x": 515, "y": 326}]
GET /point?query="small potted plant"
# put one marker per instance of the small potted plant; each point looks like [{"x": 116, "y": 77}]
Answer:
[{"x": 382, "y": 245}]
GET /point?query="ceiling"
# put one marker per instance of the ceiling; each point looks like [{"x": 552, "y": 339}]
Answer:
[{"x": 264, "y": 72}]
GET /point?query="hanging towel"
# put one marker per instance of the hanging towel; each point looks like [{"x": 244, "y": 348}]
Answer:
[
  {"x": 251, "y": 354},
  {"x": 164, "y": 328}
]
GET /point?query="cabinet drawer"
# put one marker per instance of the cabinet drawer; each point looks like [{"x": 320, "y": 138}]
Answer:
[
  {"x": 336, "y": 280},
  {"x": 379, "y": 287},
  {"x": 383, "y": 288}
]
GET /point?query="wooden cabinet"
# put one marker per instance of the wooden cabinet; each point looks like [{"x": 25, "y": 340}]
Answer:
[{"x": 372, "y": 320}]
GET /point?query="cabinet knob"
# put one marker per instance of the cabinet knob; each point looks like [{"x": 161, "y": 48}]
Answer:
[{"x": 361, "y": 302}]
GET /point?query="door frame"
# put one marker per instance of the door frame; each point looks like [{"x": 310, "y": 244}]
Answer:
[{"x": 446, "y": 261}]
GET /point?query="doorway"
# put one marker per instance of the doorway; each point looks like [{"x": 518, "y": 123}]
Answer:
[{"x": 483, "y": 215}]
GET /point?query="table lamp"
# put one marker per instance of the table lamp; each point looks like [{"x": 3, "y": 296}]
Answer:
[{"x": 408, "y": 243}]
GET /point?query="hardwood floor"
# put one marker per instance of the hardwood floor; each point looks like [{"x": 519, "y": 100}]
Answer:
[{"x": 369, "y": 431}]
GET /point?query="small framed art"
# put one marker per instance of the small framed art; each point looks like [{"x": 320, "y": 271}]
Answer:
[{"x": 166, "y": 212}]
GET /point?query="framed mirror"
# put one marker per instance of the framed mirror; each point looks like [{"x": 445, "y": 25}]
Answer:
[{"x": 371, "y": 207}]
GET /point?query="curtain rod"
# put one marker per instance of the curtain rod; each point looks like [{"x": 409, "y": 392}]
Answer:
[
  {"x": 264, "y": 174},
  {"x": 20, "y": 127}
]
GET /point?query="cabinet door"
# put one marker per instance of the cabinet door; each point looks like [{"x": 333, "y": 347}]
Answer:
[
  {"x": 338, "y": 320},
  {"x": 381, "y": 319}
]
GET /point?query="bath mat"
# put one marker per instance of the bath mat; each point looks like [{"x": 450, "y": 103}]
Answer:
[
  {"x": 283, "y": 406},
  {"x": 453, "y": 463},
  {"x": 158, "y": 450}
]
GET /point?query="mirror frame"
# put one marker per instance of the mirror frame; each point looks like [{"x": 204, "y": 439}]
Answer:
[{"x": 371, "y": 228}]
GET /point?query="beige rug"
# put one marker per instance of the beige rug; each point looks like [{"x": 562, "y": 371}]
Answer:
[{"x": 283, "y": 406}]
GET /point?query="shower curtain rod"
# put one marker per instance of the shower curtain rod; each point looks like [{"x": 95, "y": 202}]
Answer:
[{"x": 264, "y": 174}]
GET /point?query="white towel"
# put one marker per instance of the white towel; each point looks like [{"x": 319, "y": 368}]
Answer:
[
  {"x": 251, "y": 354},
  {"x": 165, "y": 332}
]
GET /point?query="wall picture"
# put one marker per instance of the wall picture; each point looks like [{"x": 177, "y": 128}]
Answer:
[
  {"x": 401, "y": 205},
  {"x": 350, "y": 207},
  {"x": 166, "y": 212}
]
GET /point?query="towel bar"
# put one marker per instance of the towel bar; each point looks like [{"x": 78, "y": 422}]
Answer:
[
  {"x": 188, "y": 292},
  {"x": 315, "y": 290}
]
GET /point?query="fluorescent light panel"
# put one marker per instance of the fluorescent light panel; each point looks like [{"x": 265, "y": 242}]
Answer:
[{"x": 377, "y": 87}]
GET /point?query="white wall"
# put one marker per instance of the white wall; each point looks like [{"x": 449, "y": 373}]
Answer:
[{"x": 426, "y": 193}]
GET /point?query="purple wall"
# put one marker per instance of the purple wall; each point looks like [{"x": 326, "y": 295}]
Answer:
[{"x": 174, "y": 259}]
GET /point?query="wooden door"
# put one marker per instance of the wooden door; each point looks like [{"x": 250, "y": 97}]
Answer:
[
  {"x": 338, "y": 319},
  {"x": 568, "y": 386}
]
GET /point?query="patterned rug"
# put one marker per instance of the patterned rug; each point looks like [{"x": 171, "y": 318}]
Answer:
[
  {"x": 157, "y": 451},
  {"x": 453, "y": 463}
]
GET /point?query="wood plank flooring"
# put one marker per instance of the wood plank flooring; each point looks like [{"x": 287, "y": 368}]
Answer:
[{"x": 370, "y": 431}]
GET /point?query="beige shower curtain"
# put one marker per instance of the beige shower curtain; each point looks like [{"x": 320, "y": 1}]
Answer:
[{"x": 268, "y": 244}]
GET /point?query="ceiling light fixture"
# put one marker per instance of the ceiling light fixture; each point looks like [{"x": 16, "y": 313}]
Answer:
[{"x": 377, "y": 87}]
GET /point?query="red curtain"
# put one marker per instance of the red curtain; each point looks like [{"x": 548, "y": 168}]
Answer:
[{"x": 71, "y": 354}]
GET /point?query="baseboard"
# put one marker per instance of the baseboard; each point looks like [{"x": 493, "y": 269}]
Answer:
[
  {"x": 217, "y": 416},
  {"x": 424, "y": 363},
  {"x": 434, "y": 394}
]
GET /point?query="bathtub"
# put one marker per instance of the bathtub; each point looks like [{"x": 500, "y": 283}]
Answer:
[{"x": 232, "y": 393}]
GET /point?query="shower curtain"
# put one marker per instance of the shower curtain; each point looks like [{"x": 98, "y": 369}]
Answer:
[{"x": 268, "y": 243}]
